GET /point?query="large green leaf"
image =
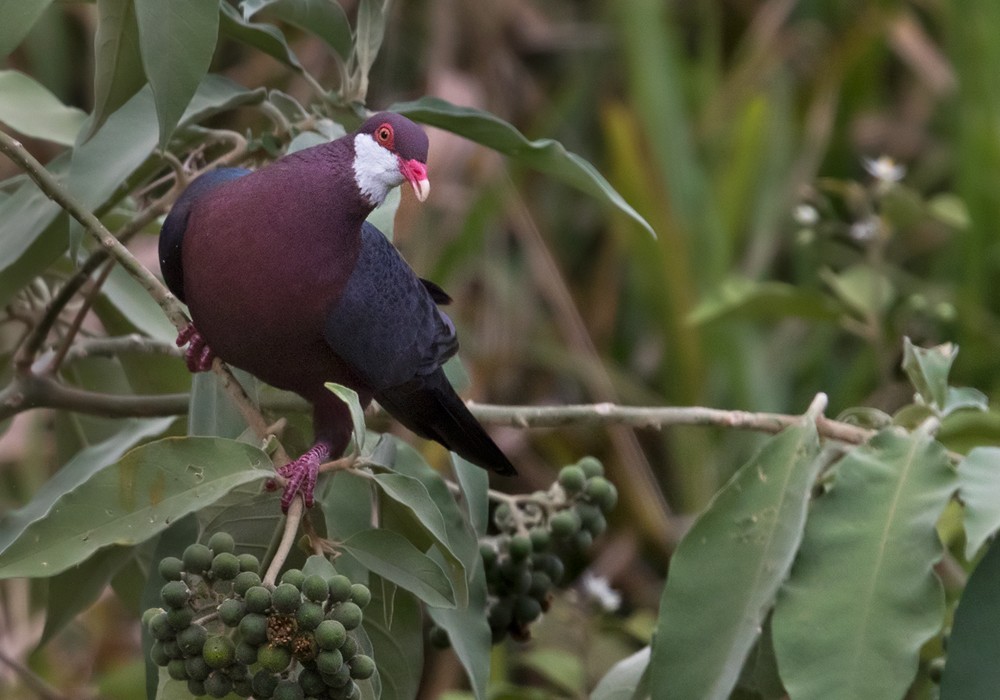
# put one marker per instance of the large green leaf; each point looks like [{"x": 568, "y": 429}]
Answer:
[
  {"x": 391, "y": 556},
  {"x": 394, "y": 625},
  {"x": 972, "y": 671},
  {"x": 862, "y": 597},
  {"x": 18, "y": 18},
  {"x": 118, "y": 65},
  {"x": 31, "y": 109},
  {"x": 137, "y": 306},
  {"x": 475, "y": 483},
  {"x": 324, "y": 18},
  {"x": 979, "y": 489},
  {"x": 368, "y": 37},
  {"x": 265, "y": 37},
  {"x": 545, "y": 155},
  {"x": 132, "y": 500},
  {"x": 727, "y": 570},
  {"x": 177, "y": 40},
  {"x": 626, "y": 679},
  {"x": 350, "y": 397}
]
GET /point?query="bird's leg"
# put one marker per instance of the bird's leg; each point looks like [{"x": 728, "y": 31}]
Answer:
[
  {"x": 198, "y": 356},
  {"x": 302, "y": 473}
]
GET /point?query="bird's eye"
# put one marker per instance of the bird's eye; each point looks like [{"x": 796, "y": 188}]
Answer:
[{"x": 384, "y": 135}]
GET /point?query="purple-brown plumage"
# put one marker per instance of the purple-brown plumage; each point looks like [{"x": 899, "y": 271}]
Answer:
[{"x": 285, "y": 280}]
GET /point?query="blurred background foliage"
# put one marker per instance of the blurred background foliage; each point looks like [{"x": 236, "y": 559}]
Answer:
[{"x": 740, "y": 130}]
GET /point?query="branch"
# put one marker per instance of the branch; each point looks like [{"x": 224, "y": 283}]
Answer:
[
  {"x": 118, "y": 345},
  {"x": 35, "y": 391}
]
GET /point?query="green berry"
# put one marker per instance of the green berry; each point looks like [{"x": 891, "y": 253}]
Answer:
[
  {"x": 196, "y": 668},
  {"x": 294, "y": 577},
  {"x": 237, "y": 672},
  {"x": 231, "y": 611},
  {"x": 180, "y": 618},
  {"x": 340, "y": 588},
  {"x": 258, "y": 599},
  {"x": 362, "y": 667},
  {"x": 348, "y": 614},
  {"x": 174, "y": 594},
  {"x": 330, "y": 634},
  {"x": 160, "y": 628},
  {"x": 221, "y": 542},
  {"x": 286, "y": 598},
  {"x": 148, "y": 615},
  {"x": 273, "y": 658},
  {"x": 361, "y": 595},
  {"x": 249, "y": 562},
  {"x": 218, "y": 685},
  {"x": 225, "y": 566},
  {"x": 244, "y": 581},
  {"x": 354, "y": 693},
  {"x": 288, "y": 690},
  {"x": 349, "y": 648},
  {"x": 219, "y": 651},
  {"x": 610, "y": 499},
  {"x": 309, "y": 615},
  {"x": 489, "y": 554},
  {"x": 591, "y": 467},
  {"x": 158, "y": 655},
  {"x": 243, "y": 687},
  {"x": 170, "y": 568},
  {"x": 540, "y": 539},
  {"x": 246, "y": 653},
  {"x": 172, "y": 649},
  {"x": 315, "y": 588},
  {"x": 329, "y": 662},
  {"x": 253, "y": 628},
  {"x": 438, "y": 637},
  {"x": 264, "y": 683},
  {"x": 312, "y": 683},
  {"x": 197, "y": 558},
  {"x": 196, "y": 688},
  {"x": 527, "y": 610},
  {"x": 554, "y": 567},
  {"x": 541, "y": 584},
  {"x": 597, "y": 489},
  {"x": 572, "y": 479},
  {"x": 564, "y": 524},
  {"x": 520, "y": 547},
  {"x": 192, "y": 639},
  {"x": 583, "y": 540},
  {"x": 501, "y": 613}
]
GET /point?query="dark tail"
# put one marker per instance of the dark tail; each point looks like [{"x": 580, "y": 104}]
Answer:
[{"x": 430, "y": 408}]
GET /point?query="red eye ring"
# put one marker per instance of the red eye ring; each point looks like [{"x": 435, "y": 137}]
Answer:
[{"x": 384, "y": 135}]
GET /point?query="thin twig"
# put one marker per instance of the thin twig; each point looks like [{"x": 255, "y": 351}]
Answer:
[
  {"x": 292, "y": 520},
  {"x": 77, "y": 323}
]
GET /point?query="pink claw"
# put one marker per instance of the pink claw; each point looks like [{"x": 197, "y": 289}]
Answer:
[
  {"x": 301, "y": 475},
  {"x": 198, "y": 356}
]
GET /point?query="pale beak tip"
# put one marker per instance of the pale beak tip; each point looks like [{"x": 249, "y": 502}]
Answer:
[{"x": 421, "y": 188}]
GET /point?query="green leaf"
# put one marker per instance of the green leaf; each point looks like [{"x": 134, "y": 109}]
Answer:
[
  {"x": 177, "y": 40},
  {"x": 265, "y": 37},
  {"x": 979, "y": 491},
  {"x": 864, "y": 290},
  {"x": 367, "y": 41},
  {"x": 321, "y": 566},
  {"x": 391, "y": 556},
  {"x": 738, "y": 297},
  {"x": 84, "y": 465},
  {"x": 118, "y": 65},
  {"x": 864, "y": 575},
  {"x": 475, "y": 483},
  {"x": 212, "y": 413},
  {"x": 971, "y": 671},
  {"x": 132, "y": 500},
  {"x": 137, "y": 306},
  {"x": 964, "y": 398},
  {"x": 19, "y": 16},
  {"x": 928, "y": 369},
  {"x": 624, "y": 680},
  {"x": 217, "y": 93},
  {"x": 545, "y": 155},
  {"x": 727, "y": 570},
  {"x": 31, "y": 109},
  {"x": 350, "y": 397},
  {"x": 394, "y": 625},
  {"x": 323, "y": 18}
]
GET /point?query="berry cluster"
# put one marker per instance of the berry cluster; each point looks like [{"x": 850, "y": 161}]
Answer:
[
  {"x": 537, "y": 535},
  {"x": 222, "y": 631}
]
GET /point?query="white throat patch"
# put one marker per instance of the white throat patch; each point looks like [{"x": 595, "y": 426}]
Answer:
[{"x": 376, "y": 169}]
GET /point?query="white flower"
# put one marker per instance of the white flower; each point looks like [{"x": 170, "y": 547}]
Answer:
[
  {"x": 885, "y": 169},
  {"x": 597, "y": 589}
]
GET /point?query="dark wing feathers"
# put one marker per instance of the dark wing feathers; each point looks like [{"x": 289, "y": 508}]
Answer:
[
  {"x": 172, "y": 235},
  {"x": 386, "y": 326}
]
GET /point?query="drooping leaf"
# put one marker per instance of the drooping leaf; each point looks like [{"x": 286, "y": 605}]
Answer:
[
  {"x": 396, "y": 631},
  {"x": 864, "y": 574},
  {"x": 18, "y": 19},
  {"x": 545, "y": 155},
  {"x": 177, "y": 40},
  {"x": 118, "y": 71},
  {"x": 391, "y": 556},
  {"x": 265, "y": 37},
  {"x": 350, "y": 397},
  {"x": 727, "y": 570},
  {"x": 368, "y": 37},
  {"x": 971, "y": 671},
  {"x": 979, "y": 490},
  {"x": 323, "y": 18},
  {"x": 31, "y": 109},
  {"x": 132, "y": 500},
  {"x": 625, "y": 679}
]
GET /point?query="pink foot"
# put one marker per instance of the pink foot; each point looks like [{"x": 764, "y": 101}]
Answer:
[
  {"x": 198, "y": 355},
  {"x": 302, "y": 473}
]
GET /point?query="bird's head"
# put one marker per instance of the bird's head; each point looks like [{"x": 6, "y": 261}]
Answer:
[{"x": 388, "y": 150}]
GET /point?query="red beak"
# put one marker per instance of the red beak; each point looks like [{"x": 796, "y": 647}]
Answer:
[{"x": 415, "y": 173}]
